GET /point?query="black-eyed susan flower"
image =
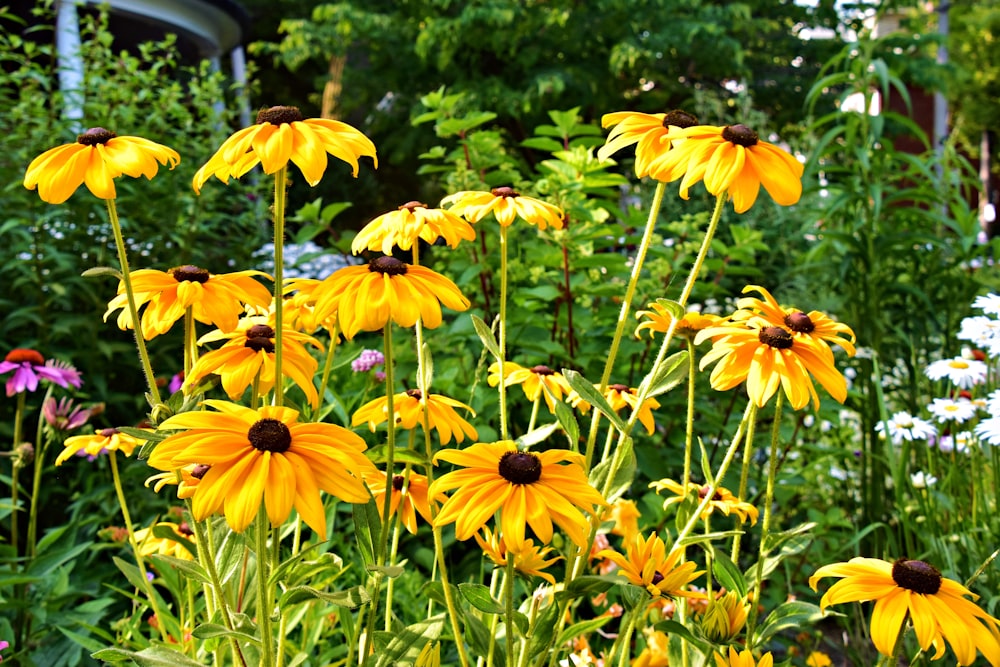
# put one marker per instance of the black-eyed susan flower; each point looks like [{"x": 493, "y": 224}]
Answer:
[
  {"x": 658, "y": 319},
  {"x": 281, "y": 135},
  {"x": 768, "y": 356},
  {"x": 722, "y": 501},
  {"x": 409, "y": 497},
  {"x": 30, "y": 367},
  {"x": 149, "y": 543},
  {"x": 742, "y": 659},
  {"x": 409, "y": 409},
  {"x": 813, "y": 325},
  {"x": 532, "y": 381},
  {"x": 249, "y": 351},
  {"x": 218, "y": 300},
  {"x": 97, "y": 158},
  {"x": 652, "y": 134},
  {"x": 410, "y": 222},
  {"x": 733, "y": 160},
  {"x": 95, "y": 444},
  {"x": 620, "y": 396},
  {"x": 190, "y": 477},
  {"x": 366, "y": 298},
  {"x": 528, "y": 488},
  {"x": 939, "y": 608},
  {"x": 724, "y": 618},
  {"x": 647, "y": 564},
  {"x": 530, "y": 560},
  {"x": 507, "y": 205},
  {"x": 267, "y": 456}
]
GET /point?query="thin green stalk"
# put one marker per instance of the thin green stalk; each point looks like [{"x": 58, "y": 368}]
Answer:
[
  {"x": 765, "y": 524},
  {"x": 625, "y": 639},
  {"x": 534, "y": 412},
  {"x": 744, "y": 478},
  {"x": 133, "y": 311},
  {"x": 279, "y": 280},
  {"x": 502, "y": 335},
  {"x": 190, "y": 346},
  {"x": 494, "y": 622},
  {"x": 328, "y": 363},
  {"x": 394, "y": 548},
  {"x": 41, "y": 448},
  {"x": 264, "y": 602},
  {"x": 147, "y": 586},
  {"x": 16, "y": 469},
  {"x": 508, "y": 597}
]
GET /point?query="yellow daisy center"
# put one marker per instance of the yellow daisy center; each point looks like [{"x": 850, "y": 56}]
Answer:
[
  {"x": 397, "y": 482},
  {"x": 679, "y": 118},
  {"x": 741, "y": 135},
  {"x": 542, "y": 370},
  {"x": 189, "y": 273},
  {"x": 94, "y": 136},
  {"x": 411, "y": 206},
  {"x": 504, "y": 192},
  {"x": 260, "y": 337},
  {"x": 916, "y": 576},
  {"x": 776, "y": 337},
  {"x": 390, "y": 265},
  {"x": 21, "y": 354},
  {"x": 279, "y": 115},
  {"x": 200, "y": 470},
  {"x": 800, "y": 323},
  {"x": 270, "y": 435},
  {"x": 958, "y": 363},
  {"x": 520, "y": 467}
]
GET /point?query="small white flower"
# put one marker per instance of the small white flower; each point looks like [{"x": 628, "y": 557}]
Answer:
[
  {"x": 964, "y": 373},
  {"x": 993, "y": 403},
  {"x": 808, "y": 421},
  {"x": 950, "y": 410},
  {"x": 904, "y": 426},
  {"x": 988, "y": 430},
  {"x": 982, "y": 331},
  {"x": 958, "y": 443},
  {"x": 921, "y": 481},
  {"x": 989, "y": 304}
]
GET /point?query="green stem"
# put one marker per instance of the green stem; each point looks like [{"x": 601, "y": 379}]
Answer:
[
  {"x": 626, "y": 637},
  {"x": 264, "y": 603},
  {"x": 133, "y": 311},
  {"x": 205, "y": 543},
  {"x": 328, "y": 363},
  {"x": 279, "y": 280},
  {"x": 502, "y": 335},
  {"x": 41, "y": 447},
  {"x": 394, "y": 548},
  {"x": 190, "y": 346},
  {"x": 147, "y": 586},
  {"x": 508, "y": 596},
  {"x": 744, "y": 478},
  {"x": 765, "y": 524},
  {"x": 16, "y": 469}
]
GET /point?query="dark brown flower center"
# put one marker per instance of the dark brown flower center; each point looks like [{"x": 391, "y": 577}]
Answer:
[
  {"x": 504, "y": 192},
  {"x": 270, "y": 435},
  {"x": 390, "y": 265},
  {"x": 189, "y": 273},
  {"x": 776, "y": 337},
  {"x": 799, "y": 323},
  {"x": 108, "y": 432},
  {"x": 657, "y": 578},
  {"x": 741, "y": 135},
  {"x": 260, "y": 337},
  {"x": 520, "y": 467},
  {"x": 916, "y": 576},
  {"x": 94, "y": 136},
  {"x": 679, "y": 118},
  {"x": 397, "y": 482},
  {"x": 620, "y": 388},
  {"x": 279, "y": 115},
  {"x": 185, "y": 529},
  {"x": 200, "y": 470},
  {"x": 414, "y": 393},
  {"x": 20, "y": 355},
  {"x": 542, "y": 370},
  {"x": 411, "y": 205},
  {"x": 703, "y": 491}
]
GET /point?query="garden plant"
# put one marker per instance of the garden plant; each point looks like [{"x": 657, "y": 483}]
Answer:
[{"x": 658, "y": 396}]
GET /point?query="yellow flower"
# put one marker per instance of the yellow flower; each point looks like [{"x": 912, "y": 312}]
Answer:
[
  {"x": 105, "y": 440},
  {"x": 818, "y": 659},
  {"x": 266, "y": 456},
  {"x": 281, "y": 134},
  {"x": 619, "y": 396},
  {"x": 366, "y": 298},
  {"x": 214, "y": 299},
  {"x": 626, "y": 517},
  {"x": 814, "y": 325},
  {"x": 529, "y": 560},
  {"x": 506, "y": 205},
  {"x": 97, "y": 158},
  {"x": 767, "y": 356},
  {"x": 937, "y": 607},
  {"x": 724, "y": 618},
  {"x": 410, "y": 222},
  {"x": 190, "y": 476},
  {"x": 744, "y": 659},
  {"x": 656, "y": 651},
  {"x": 299, "y": 312},
  {"x": 731, "y": 159},
  {"x": 150, "y": 544},
  {"x": 722, "y": 501},
  {"x": 408, "y": 500},
  {"x": 647, "y": 564},
  {"x": 409, "y": 409},
  {"x": 532, "y": 380},
  {"x": 653, "y": 134},
  {"x": 658, "y": 319},
  {"x": 249, "y": 350},
  {"x": 528, "y": 488}
]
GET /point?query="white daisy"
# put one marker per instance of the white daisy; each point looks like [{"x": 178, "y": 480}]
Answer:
[
  {"x": 982, "y": 331},
  {"x": 950, "y": 410},
  {"x": 921, "y": 481},
  {"x": 962, "y": 372},
  {"x": 958, "y": 443},
  {"x": 989, "y": 304},
  {"x": 988, "y": 430},
  {"x": 993, "y": 403},
  {"x": 904, "y": 426}
]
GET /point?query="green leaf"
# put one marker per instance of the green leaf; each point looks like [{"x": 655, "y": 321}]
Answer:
[
  {"x": 581, "y": 628},
  {"x": 479, "y": 597},
  {"x": 190, "y": 568},
  {"x": 587, "y": 586},
  {"x": 102, "y": 271},
  {"x": 727, "y": 574},
  {"x": 668, "y": 374},
  {"x": 379, "y": 453},
  {"x": 676, "y": 629},
  {"x": 537, "y": 435},
  {"x": 543, "y": 144},
  {"x": 352, "y": 598},
  {"x": 406, "y": 645},
  {"x": 567, "y": 420},
  {"x": 623, "y": 475},
  {"x": 214, "y": 630},
  {"x": 391, "y": 571},
  {"x": 588, "y": 392},
  {"x": 154, "y": 656},
  {"x": 367, "y": 526},
  {"x": 486, "y": 335},
  {"x": 788, "y": 615}
]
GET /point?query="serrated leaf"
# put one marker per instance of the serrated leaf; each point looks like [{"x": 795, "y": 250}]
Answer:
[
  {"x": 154, "y": 656},
  {"x": 214, "y": 630},
  {"x": 352, "y": 598},
  {"x": 486, "y": 335},
  {"x": 668, "y": 374},
  {"x": 479, "y": 597}
]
